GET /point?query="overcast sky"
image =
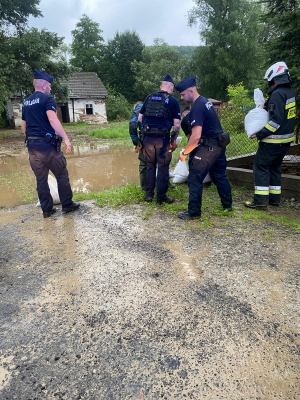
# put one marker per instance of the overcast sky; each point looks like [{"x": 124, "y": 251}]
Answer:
[{"x": 166, "y": 19}]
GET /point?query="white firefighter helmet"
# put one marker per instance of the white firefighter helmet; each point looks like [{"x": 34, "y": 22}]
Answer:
[{"x": 276, "y": 69}]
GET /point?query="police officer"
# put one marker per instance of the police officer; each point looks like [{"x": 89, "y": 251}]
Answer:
[
  {"x": 274, "y": 139},
  {"x": 206, "y": 148},
  {"x": 134, "y": 125},
  {"x": 161, "y": 111},
  {"x": 39, "y": 124}
]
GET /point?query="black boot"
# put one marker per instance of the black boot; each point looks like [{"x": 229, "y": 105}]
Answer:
[{"x": 72, "y": 207}]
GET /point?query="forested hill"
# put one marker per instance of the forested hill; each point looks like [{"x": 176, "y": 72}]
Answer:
[{"x": 184, "y": 50}]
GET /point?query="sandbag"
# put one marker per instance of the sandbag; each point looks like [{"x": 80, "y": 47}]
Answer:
[
  {"x": 257, "y": 118},
  {"x": 207, "y": 178},
  {"x": 52, "y": 182},
  {"x": 180, "y": 172},
  {"x": 178, "y": 140}
]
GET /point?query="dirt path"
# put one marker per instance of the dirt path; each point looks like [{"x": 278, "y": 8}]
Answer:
[{"x": 102, "y": 304}]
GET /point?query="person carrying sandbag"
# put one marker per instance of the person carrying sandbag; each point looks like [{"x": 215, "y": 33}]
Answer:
[{"x": 274, "y": 138}]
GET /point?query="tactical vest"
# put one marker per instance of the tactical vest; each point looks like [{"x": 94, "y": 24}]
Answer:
[{"x": 158, "y": 105}]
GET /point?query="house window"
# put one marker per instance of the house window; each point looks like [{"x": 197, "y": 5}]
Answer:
[{"x": 89, "y": 109}]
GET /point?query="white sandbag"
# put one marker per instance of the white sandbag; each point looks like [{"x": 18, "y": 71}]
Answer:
[
  {"x": 207, "y": 178},
  {"x": 181, "y": 172},
  {"x": 259, "y": 99},
  {"x": 178, "y": 140},
  {"x": 52, "y": 182},
  {"x": 257, "y": 118}
]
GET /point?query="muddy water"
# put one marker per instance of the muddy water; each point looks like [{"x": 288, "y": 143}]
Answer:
[{"x": 91, "y": 169}]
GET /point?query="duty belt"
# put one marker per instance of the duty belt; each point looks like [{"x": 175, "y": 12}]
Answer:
[
  {"x": 34, "y": 139},
  {"x": 155, "y": 132},
  {"x": 208, "y": 141}
]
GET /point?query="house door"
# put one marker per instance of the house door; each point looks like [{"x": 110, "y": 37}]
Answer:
[{"x": 63, "y": 112}]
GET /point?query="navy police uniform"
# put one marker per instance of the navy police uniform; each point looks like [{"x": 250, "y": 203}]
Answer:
[
  {"x": 159, "y": 110},
  {"x": 42, "y": 148},
  {"x": 208, "y": 156},
  {"x": 275, "y": 139}
]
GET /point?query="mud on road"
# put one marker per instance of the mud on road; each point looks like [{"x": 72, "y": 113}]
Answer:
[{"x": 101, "y": 304}]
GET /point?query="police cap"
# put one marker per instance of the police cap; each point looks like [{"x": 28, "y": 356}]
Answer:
[
  {"x": 185, "y": 84},
  {"x": 168, "y": 78},
  {"x": 42, "y": 75}
]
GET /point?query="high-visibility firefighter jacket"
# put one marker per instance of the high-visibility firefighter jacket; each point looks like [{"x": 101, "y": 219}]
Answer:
[{"x": 281, "y": 107}]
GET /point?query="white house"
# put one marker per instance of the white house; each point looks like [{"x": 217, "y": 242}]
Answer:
[{"x": 86, "y": 101}]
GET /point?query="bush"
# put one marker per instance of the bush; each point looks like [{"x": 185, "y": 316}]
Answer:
[
  {"x": 117, "y": 107},
  {"x": 232, "y": 121}
]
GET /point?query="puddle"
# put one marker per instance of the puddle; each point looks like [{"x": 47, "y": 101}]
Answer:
[{"x": 91, "y": 169}]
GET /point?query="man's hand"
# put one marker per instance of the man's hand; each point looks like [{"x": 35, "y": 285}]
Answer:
[
  {"x": 135, "y": 149},
  {"x": 182, "y": 156},
  {"x": 253, "y": 136},
  {"x": 173, "y": 146},
  {"x": 68, "y": 145}
]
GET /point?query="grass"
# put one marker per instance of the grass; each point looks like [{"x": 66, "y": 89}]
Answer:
[{"x": 213, "y": 214}]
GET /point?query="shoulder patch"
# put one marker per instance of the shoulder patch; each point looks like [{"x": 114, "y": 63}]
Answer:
[{"x": 271, "y": 107}]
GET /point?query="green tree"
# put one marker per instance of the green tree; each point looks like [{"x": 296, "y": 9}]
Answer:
[
  {"x": 87, "y": 46},
  {"x": 23, "y": 50},
  {"x": 120, "y": 52},
  {"x": 282, "y": 19},
  {"x": 21, "y": 54},
  {"x": 157, "y": 61},
  {"x": 230, "y": 30},
  {"x": 16, "y": 12}
]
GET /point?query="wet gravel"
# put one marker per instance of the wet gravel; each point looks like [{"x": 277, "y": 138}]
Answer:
[{"x": 102, "y": 304}]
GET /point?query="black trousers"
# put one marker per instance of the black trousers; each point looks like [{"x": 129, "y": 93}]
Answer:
[
  {"x": 156, "y": 152},
  {"x": 267, "y": 172},
  {"x": 44, "y": 157},
  {"x": 202, "y": 160}
]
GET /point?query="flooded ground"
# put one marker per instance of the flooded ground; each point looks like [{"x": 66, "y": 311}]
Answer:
[{"x": 92, "y": 168}]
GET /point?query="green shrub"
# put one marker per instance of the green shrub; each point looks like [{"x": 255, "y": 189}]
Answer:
[
  {"x": 117, "y": 108},
  {"x": 232, "y": 121}
]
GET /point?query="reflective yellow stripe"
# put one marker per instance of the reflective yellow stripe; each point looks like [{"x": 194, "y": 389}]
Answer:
[
  {"x": 288, "y": 140},
  {"x": 262, "y": 192},
  {"x": 275, "y": 191},
  {"x": 293, "y": 104},
  {"x": 270, "y": 128}
]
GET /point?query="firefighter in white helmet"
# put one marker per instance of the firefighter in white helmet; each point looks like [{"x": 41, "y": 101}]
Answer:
[{"x": 274, "y": 139}]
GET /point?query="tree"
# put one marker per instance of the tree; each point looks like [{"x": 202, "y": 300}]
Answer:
[
  {"x": 16, "y": 12},
  {"x": 120, "y": 52},
  {"x": 157, "y": 61},
  {"x": 23, "y": 50},
  {"x": 282, "y": 18},
  {"x": 87, "y": 46},
  {"x": 21, "y": 54},
  {"x": 230, "y": 30}
]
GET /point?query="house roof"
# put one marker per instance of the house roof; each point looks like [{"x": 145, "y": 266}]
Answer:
[
  {"x": 213, "y": 101},
  {"x": 84, "y": 85}
]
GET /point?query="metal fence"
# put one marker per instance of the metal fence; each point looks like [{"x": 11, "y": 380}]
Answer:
[{"x": 232, "y": 121}]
